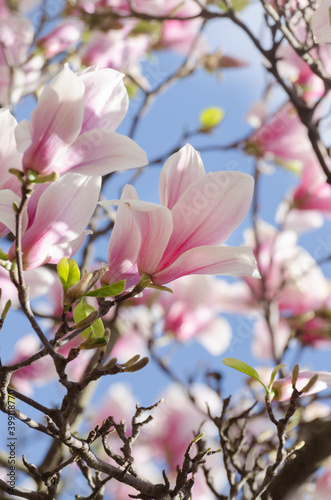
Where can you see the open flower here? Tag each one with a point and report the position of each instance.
(199, 211)
(283, 386)
(56, 217)
(72, 127)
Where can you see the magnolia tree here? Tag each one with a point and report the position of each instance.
(86, 330)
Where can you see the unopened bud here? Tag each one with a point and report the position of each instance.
(87, 321)
(295, 374)
(310, 384)
(137, 366)
(132, 361)
(83, 286)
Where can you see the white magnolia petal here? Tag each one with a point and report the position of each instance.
(178, 173)
(100, 151)
(230, 261)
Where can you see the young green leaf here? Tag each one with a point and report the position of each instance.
(273, 375)
(81, 311)
(236, 5)
(243, 367)
(94, 343)
(68, 272)
(3, 255)
(107, 290)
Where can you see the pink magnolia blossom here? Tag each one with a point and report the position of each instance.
(55, 219)
(191, 312)
(292, 283)
(9, 158)
(67, 34)
(40, 372)
(320, 23)
(313, 192)
(282, 139)
(299, 73)
(40, 282)
(16, 37)
(179, 418)
(72, 127)
(199, 211)
(180, 35)
(291, 276)
(283, 387)
(117, 49)
(304, 206)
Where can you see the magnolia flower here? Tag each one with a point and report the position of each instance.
(199, 211)
(53, 224)
(281, 139)
(39, 372)
(320, 23)
(304, 206)
(67, 34)
(40, 282)
(191, 312)
(283, 386)
(9, 158)
(16, 37)
(72, 127)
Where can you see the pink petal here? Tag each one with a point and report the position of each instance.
(68, 249)
(155, 225)
(100, 151)
(320, 23)
(284, 385)
(9, 157)
(23, 135)
(56, 121)
(208, 211)
(105, 97)
(231, 261)
(7, 214)
(63, 212)
(124, 244)
(178, 173)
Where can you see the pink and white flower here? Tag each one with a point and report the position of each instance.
(281, 139)
(55, 219)
(283, 387)
(72, 127)
(67, 34)
(199, 211)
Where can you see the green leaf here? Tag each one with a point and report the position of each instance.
(68, 272)
(3, 255)
(237, 5)
(107, 290)
(147, 27)
(243, 367)
(5, 309)
(162, 288)
(273, 375)
(94, 343)
(210, 118)
(81, 311)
